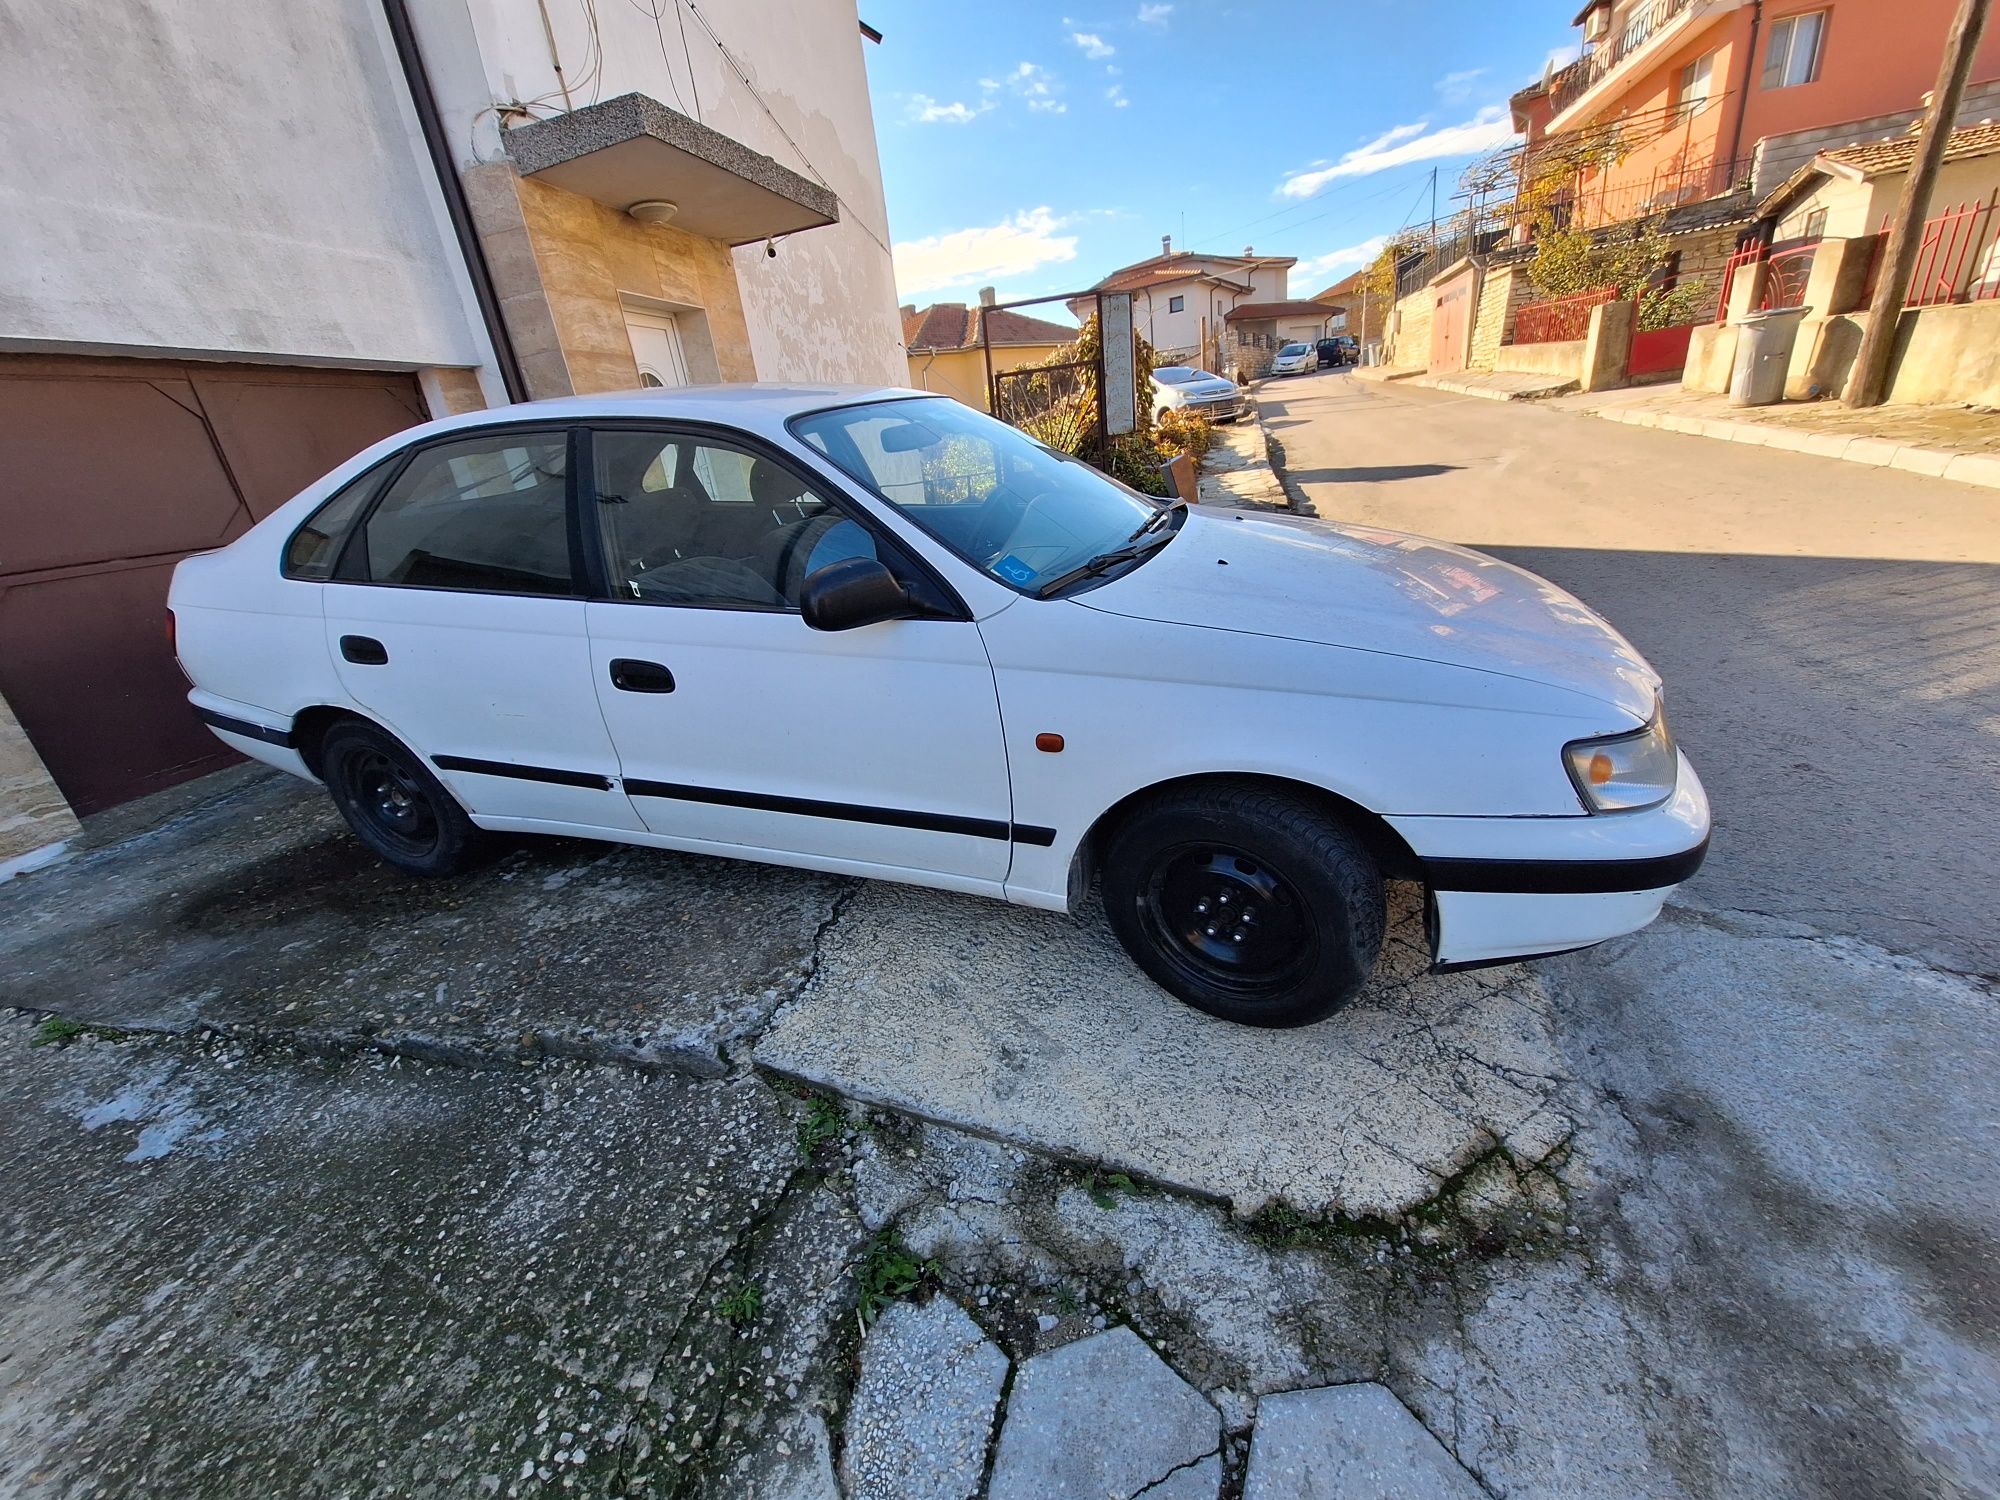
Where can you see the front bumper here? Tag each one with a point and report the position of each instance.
(1225, 409)
(1504, 888)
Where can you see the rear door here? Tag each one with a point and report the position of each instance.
(456, 618)
(738, 725)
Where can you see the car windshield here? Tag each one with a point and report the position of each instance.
(1177, 374)
(1017, 509)
(1293, 349)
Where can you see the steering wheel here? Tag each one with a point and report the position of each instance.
(999, 517)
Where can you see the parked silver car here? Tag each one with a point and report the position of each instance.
(1196, 390)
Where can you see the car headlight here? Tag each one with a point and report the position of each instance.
(1621, 772)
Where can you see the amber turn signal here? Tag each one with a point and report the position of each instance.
(1601, 768)
(1049, 742)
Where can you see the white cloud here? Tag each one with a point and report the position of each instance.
(1563, 56)
(1094, 46)
(1349, 257)
(1032, 83)
(1404, 144)
(1116, 94)
(927, 111)
(1456, 88)
(1011, 248)
(1154, 15)
(1048, 106)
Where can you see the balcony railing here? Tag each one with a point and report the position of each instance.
(1642, 24)
(1610, 196)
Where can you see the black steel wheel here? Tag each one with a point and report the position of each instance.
(393, 803)
(1252, 903)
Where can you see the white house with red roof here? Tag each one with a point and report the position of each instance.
(1182, 299)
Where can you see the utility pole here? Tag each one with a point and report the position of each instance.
(1434, 207)
(1870, 380)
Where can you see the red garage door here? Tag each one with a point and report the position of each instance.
(111, 471)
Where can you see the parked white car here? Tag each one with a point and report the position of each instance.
(874, 632)
(1295, 359)
(1184, 386)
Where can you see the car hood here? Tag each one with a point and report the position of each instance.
(1199, 387)
(1375, 590)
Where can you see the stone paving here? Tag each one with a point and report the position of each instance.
(1237, 469)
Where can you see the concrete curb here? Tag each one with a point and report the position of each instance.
(1981, 469)
(1495, 393)
(1387, 372)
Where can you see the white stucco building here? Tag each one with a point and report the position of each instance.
(1181, 300)
(245, 239)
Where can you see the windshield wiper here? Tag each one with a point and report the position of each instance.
(1158, 518)
(1136, 546)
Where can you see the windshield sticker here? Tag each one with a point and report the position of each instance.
(1015, 571)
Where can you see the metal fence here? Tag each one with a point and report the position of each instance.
(1610, 195)
(1787, 270)
(1560, 318)
(1957, 260)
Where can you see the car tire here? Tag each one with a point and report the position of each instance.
(393, 803)
(1253, 904)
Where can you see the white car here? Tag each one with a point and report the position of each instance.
(1295, 359)
(1178, 386)
(877, 633)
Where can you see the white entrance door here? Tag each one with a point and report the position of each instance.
(656, 345)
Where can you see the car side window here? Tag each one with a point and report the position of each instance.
(315, 546)
(489, 514)
(694, 521)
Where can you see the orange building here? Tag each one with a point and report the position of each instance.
(1698, 99)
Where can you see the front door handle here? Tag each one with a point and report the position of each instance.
(631, 676)
(364, 650)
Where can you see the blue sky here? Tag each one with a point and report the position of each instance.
(1034, 145)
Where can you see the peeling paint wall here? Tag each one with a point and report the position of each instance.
(824, 308)
(224, 178)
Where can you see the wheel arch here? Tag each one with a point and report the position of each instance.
(1391, 852)
(310, 726)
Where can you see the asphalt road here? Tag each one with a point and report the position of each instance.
(1829, 633)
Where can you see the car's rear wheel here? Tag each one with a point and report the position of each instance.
(393, 803)
(1253, 904)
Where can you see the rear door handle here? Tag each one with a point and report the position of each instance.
(632, 676)
(364, 650)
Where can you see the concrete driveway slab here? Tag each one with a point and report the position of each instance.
(231, 1274)
(258, 910)
(1105, 1419)
(1349, 1442)
(1040, 1031)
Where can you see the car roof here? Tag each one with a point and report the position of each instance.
(753, 404)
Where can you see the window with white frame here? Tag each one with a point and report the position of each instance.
(1792, 55)
(1695, 88)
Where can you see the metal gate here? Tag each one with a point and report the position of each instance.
(1451, 325)
(115, 470)
(1064, 402)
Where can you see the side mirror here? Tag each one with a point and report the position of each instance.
(853, 592)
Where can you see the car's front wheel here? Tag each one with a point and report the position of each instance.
(393, 803)
(1251, 903)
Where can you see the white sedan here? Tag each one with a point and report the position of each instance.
(1295, 359)
(874, 632)
(1183, 387)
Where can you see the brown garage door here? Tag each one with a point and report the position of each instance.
(111, 471)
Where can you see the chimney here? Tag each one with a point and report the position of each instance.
(986, 296)
(908, 309)
(1249, 250)
(1166, 244)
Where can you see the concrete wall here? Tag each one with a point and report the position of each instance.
(222, 178)
(1408, 343)
(1562, 357)
(34, 819)
(1943, 355)
(825, 307)
(1710, 357)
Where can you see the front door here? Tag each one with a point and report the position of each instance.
(739, 727)
(656, 345)
(458, 622)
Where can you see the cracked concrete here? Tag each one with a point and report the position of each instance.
(1040, 1031)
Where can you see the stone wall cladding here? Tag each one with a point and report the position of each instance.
(1411, 345)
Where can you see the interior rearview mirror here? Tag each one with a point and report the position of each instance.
(853, 592)
(907, 437)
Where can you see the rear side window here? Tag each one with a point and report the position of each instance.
(490, 514)
(315, 546)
